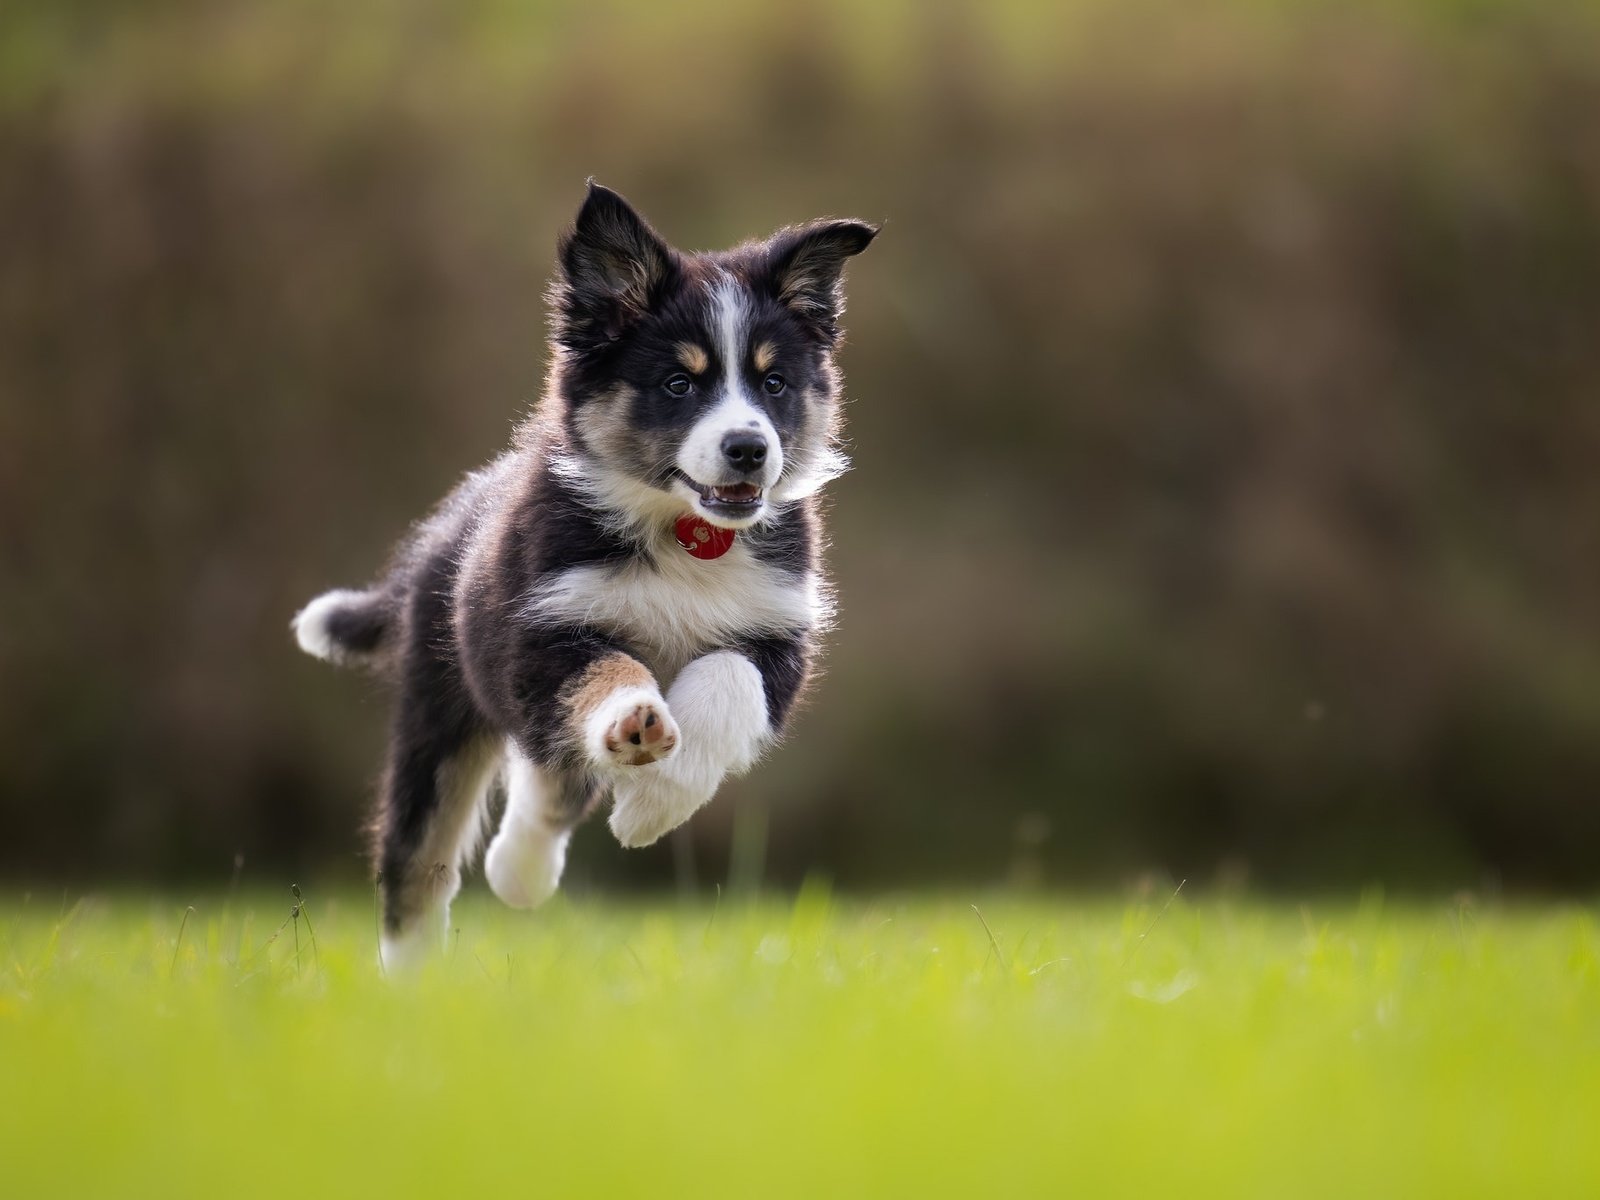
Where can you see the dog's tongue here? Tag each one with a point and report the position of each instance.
(736, 492)
(701, 538)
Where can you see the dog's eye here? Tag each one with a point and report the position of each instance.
(678, 385)
(774, 384)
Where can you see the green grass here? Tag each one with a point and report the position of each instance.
(818, 1046)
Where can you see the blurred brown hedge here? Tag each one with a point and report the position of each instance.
(1225, 412)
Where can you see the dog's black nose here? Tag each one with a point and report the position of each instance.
(744, 450)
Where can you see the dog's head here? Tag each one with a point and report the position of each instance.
(699, 383)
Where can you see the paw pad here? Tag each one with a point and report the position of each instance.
(641, 734)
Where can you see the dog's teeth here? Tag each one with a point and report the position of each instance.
(735, 493)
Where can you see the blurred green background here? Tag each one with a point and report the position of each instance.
(1224, 411)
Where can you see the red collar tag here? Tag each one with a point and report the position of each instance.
(701, 538)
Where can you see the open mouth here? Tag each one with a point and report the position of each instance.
(730, 498)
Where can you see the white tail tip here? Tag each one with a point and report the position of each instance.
(312, 624)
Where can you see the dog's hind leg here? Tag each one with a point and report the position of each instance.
(442, 763)
(430, 824)
(526, 858)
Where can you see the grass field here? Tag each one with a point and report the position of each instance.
(813, 1046)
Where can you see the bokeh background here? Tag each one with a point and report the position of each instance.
(1224, 410)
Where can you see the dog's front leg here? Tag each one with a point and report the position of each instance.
(588, 715)
(615, 717)
(727, 707)
(573, 702)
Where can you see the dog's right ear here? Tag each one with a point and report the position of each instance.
(613, 266)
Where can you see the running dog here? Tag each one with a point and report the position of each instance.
(626, 603)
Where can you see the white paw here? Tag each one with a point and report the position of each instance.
(651, 804)
(524, 865)
(404, 952)
(633, 729)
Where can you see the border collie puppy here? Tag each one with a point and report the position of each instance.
(627, 602)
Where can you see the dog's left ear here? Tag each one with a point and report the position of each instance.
(613, 265)
(806, 265)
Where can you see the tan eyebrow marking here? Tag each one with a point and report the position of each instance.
(765, 353)
(693, 357)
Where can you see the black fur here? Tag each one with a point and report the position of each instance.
(359, 630)
(785, 666)
(520, 669)
(434, 720)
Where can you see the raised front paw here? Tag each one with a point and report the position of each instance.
(648, 806)
(640, 732)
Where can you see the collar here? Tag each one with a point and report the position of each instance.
(701, 539)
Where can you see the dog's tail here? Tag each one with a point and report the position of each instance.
(348, 627)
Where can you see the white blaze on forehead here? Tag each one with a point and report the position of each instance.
(730, 317)
(701, 456)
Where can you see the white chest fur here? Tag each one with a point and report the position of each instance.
(680, 606)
